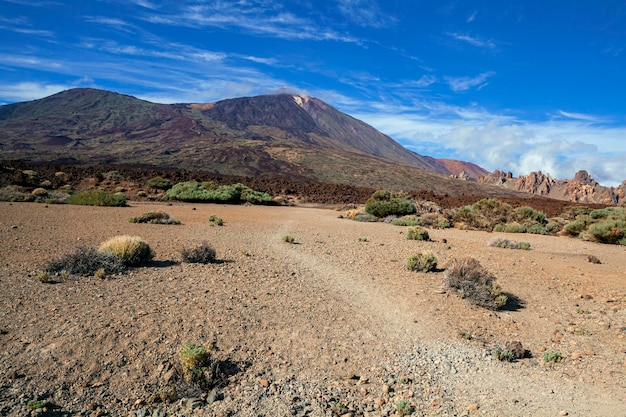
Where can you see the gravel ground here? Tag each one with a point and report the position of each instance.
(330, 325)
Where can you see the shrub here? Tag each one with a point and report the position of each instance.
(132, 250)
(608, 231)
(215, 220)
(404, 408)
(553, 228)
(503, 355)
(383, 203)
(43, 277)
(410, 220)
(573, 212)
(484, 214)
(576, 227)
(527, 215)
(209, 192)
(195, 361)
(552, 356)
(510, 228)
(417, 233)
(364, 217)
(159, 183)
(422, 262)
(154, 217)
(96, 198)
(40, 192)
(508, 244)
(289, 239)
(473, 282)
(201, 253)
(86, 261)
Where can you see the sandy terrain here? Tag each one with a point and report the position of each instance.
(334, 318)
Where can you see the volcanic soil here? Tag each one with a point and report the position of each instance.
(333, 324)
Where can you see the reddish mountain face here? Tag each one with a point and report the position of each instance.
(462, 169)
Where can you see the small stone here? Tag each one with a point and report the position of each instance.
(379, 402)
(576, 355)
(264, 383)
(563, 413)
(473, 407)
(386, 389)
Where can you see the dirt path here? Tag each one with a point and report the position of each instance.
(334, 318)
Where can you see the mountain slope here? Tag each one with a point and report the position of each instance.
(279, 136)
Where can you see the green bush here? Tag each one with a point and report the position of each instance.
(422, 262)
(510, 228)
(503, 355)
(159, 183)
(404, 408)
(209, 192)
(289, 239)
(195, 361)
(216, 220)
(97, 198)
(86, 261)
(417, 233)
(553, 228)
(509, 244)
(527, 215)
(202, 253)
(154, 217)
(473, 282)
(132, 250)
(552, 356)
(576, 227)
(383, 203)
(608, 231)
(484, 214)
(364, 217)
(409, 220)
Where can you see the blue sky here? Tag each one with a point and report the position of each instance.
(514, 85)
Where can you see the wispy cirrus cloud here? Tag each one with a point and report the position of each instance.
(465, 83)
(365, 13)
(255, 17)
(473, 40)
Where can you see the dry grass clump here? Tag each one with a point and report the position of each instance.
(132, 250)
(422, 262)
(473, 282)
(86, 261)
(201, 253)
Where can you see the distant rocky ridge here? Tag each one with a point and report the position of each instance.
(581, 189)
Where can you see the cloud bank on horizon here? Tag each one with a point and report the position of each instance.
(518, 87)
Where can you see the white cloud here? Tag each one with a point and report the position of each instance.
(465, 83)
(27, 91)
(365, 13)
(253, 17)
(499, 141)
(473, 40)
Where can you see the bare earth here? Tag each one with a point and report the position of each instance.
(302, 327)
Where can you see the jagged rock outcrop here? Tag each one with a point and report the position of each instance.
(581, 189)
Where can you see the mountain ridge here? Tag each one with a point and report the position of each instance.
(282, 136)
